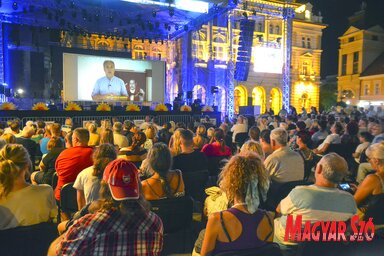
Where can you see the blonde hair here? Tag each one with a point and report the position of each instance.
(14, 159)
(210, 132)
(150, 132)
(253, 146)
(376, 151)
(199, 140)
(240, 170)
(9, 138)
(175, 146)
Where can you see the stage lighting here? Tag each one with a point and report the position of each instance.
(20, 91)
(15, 6)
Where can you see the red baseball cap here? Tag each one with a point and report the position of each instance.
(123, 179)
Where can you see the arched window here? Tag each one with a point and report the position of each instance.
(240, 97)
(276, 100)
(138, 52)
(258, 98)
(305, 68)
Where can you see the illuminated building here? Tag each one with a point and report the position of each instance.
(360, 76)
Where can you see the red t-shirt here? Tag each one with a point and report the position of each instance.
(70, 163)
(214, 149)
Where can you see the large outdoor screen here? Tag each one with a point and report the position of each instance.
(102, 78)
(267, 60)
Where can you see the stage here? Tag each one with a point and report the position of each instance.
(79, 117)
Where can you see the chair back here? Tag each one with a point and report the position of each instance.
(270, 249)
(175, 213)
(195, 183)
(375, 209)
(278, 191)
(240, 138)
(68, 198)
(55, 178)
(28, 240)
(215, 165)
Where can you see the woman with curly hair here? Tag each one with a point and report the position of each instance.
(243, 226)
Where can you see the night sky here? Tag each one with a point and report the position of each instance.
(335, 14)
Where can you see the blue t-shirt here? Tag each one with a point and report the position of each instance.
(115, 86)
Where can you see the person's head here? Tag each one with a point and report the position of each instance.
(120, 189)
(68, 121)
(132, 86)
(244, 172)
(210, 132)
(106, 136)
(323, 125)
(200, 131)
(224, 127)
(9, 138)
(376, 129)
(303, 139)
(102, 156)
(15, 126)
(128, 124)
(253, 146)
(80, 137)
(150, 132)
(117, 127)
(54, 142)
(240, 119)
(352, 128)
(337, 128)
(254, 133)
(27, 132)
(92, 128)
(363, 123)
(138, 141)
(301, 126)
(331, 170)
(265, 137)
(55, 129)
(365, 137)
(40, 124)
(279, 138)
(186, 138)
(375, 154)
(14, 164)
(68, 140)
(109, 68)
(106, 123)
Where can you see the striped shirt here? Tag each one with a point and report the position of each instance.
(315, 203)
(110, 233)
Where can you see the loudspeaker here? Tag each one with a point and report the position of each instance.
(214, 89)
(244, 52)
(189, 95)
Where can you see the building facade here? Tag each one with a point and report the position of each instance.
(358, 49)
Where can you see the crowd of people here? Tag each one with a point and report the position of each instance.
(117, 167)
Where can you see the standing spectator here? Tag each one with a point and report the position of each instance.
(22, 204)
(73, 160)
(239, 127)
(123, 223)
(283, 165)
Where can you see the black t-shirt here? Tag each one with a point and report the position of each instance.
(195, 161)
(50, 159)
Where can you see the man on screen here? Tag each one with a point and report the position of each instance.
(135, 93)
(109, 85)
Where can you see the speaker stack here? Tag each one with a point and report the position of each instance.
(244, 53)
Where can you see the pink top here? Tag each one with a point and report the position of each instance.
(214, 149)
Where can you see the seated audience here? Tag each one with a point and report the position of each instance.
(164, 135)
(243, 226)
(303, 141)
(253, 146)
(9, 138)
(22, 204)
(68, 140)
(378, 131)
(136, 152)
(333, 138)
(73, 160)
(373, 184)
(239, 127)
(200, 140)
(210, 132)
(47, 165)
(94, 137)
(164, 183)
(127, 126)
(322, 201)
(217, 146)
(87, 183)
(122, 223)
(106, 136)
(174, 142)
(254, 133)
(265, 142)
(321, 134)
(120, 140)
(150, 134)
(350, 134)
(365, 139)
(283, 165)
(190, 159)
(28, 143)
